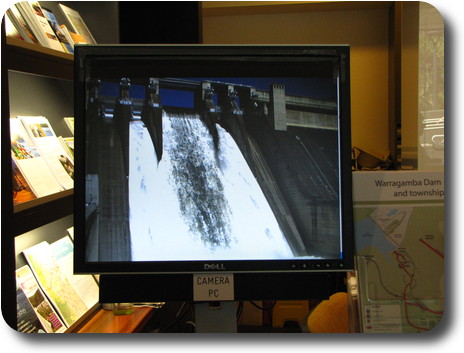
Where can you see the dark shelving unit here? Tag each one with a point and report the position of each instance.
(47, 218)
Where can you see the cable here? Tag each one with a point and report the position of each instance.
(187, 324)
(178, 316)
(263, 307)
(239, 311)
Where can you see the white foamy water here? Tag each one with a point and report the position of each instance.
(194, 205)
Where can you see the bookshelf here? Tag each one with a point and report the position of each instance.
(46, 61)
(39, 81)
(31, 59)
(45, 218)
(35, 81)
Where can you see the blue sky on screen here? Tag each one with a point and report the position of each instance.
(319, 88)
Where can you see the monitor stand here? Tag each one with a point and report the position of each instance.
(215, 317)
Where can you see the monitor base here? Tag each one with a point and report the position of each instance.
(215, 317)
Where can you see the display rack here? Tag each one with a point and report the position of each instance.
(43, 218)
(25, 217)
(42, 212)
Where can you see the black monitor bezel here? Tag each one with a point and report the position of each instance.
(221, 56)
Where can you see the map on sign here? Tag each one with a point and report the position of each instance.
(400, 252)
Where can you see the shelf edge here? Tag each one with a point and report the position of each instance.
(46, 210)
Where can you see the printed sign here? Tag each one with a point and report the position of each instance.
(213, 287)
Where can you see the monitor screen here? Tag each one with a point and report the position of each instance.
(212, 158)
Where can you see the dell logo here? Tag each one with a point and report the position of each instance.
(217, 267)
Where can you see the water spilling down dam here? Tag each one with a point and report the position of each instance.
(247, 175)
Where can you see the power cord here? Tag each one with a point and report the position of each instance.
(264, 308)
(179, 317)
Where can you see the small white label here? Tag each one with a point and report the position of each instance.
(213, 287)
(383, 318)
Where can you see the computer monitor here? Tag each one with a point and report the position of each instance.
(194, 159)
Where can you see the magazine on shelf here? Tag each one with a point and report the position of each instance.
(27, 319)
(22, 192)
(50, 16)
(84, 285)
(27, 14)
(34, 16)
(66, 33)
(70, 143)
(73, 38)
(11, 30)
(45, 312)
(55, 283)
(65, 144)
(78, 25)
(77, 38)
(41, 132)
(21, 25)
(69, 121)
(30, 162)
(70, 232)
